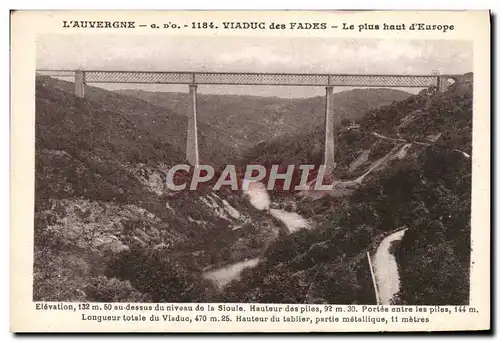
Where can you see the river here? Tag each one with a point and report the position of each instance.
(386, 268)
(260, 200)
(224, 275)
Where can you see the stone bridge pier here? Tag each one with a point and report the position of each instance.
(80, 83)
(192, 153)
(444, 81)
(192, 79)
(329, 148)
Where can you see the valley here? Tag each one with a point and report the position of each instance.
(107, 228)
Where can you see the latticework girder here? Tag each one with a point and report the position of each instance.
(157, 77)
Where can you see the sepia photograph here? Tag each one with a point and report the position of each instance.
(252, 170)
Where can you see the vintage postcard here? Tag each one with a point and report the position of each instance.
(250, 171)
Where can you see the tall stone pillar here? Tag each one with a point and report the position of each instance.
(80, 83)
(329, 154)
(442, 84)
(192, 129)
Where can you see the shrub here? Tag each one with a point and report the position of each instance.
(104, 289)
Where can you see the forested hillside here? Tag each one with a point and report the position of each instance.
(253, 119)
(102, 202)
(421, 148)
(107, 229)
(216, 145)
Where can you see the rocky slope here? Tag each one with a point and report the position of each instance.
(407, 165)
(101, 200)
(106, 228)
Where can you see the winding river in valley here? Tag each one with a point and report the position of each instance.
(259, 199)
(384, 262)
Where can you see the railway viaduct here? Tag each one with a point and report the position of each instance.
(193, 79)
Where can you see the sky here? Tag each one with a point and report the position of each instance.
(294, 55)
